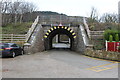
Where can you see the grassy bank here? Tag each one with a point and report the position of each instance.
(19, 28)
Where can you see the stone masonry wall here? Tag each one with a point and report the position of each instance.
(38, 45)
(80, 46)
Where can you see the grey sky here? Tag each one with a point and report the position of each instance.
(77, 7)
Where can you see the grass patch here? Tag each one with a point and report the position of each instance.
(19, 28)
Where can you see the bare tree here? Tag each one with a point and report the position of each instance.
(4, 10)
(5, 6)
(93, 16)
(15, 9)
(26, 7)
(109, 18)
(1, 15)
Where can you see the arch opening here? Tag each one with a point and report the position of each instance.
(64, 38)
(61, 41)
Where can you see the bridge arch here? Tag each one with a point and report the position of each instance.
(52, 32)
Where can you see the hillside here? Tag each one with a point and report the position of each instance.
(46, 17)
(20, 28)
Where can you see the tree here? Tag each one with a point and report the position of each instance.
(4, 6)
(13, 11)
(93, 16)
(16, 8)
(109, 18)
(26, 7)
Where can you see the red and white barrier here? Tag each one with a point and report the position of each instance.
(112, 46)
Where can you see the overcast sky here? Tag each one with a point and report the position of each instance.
(77, 7)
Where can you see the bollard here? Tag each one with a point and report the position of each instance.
(26, 48)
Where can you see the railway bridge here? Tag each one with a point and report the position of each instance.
(41, 37)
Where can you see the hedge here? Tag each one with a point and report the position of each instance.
(107, 34)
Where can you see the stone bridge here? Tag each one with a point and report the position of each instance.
(41, 37)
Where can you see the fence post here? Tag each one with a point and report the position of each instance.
(114, 46)
(11, 38)
(106, 44)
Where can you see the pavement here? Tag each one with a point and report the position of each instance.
(58, 63)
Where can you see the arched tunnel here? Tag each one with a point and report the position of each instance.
(59, 30)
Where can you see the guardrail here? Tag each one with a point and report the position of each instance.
(12, 38)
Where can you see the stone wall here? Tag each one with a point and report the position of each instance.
(80, 46)
(77, 44)
(38, 44)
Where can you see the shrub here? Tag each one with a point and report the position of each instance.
(110, 38)
(89, 52)
(98, 54)
(98, 47)
(107, 33)
(117, 38)
(102, 54)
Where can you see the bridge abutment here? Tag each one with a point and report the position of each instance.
(36, 43)
(80, 46)
(41, 37)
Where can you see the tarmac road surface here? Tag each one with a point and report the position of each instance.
(58, 63)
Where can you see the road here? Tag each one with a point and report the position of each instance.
(61, 45)
(58, 64)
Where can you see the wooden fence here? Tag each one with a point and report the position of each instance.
(12, 38)
(96, 33)
(22, 37)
